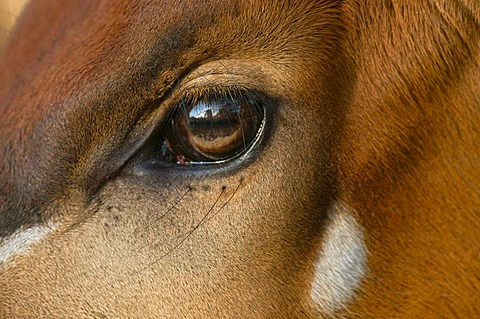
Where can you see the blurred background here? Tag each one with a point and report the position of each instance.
(9, 11)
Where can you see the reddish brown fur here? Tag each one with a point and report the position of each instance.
(413, 157)
(377, 107)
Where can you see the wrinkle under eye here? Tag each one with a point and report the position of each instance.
(212, 127)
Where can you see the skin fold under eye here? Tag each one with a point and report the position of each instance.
(212, 127)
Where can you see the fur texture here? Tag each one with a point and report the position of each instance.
(373, 106)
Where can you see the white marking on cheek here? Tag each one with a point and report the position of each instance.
(20, 241)
(341, 264)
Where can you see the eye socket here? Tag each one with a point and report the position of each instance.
(212, 128)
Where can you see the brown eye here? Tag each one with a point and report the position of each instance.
(213, 128)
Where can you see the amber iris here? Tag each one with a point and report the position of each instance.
(213, 129)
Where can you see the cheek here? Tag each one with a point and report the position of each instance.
(341, 264)
(21, 240)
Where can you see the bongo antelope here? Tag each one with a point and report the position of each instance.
(241, 159)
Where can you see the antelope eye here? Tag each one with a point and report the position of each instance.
(212, 129)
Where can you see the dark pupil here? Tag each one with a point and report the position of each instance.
(213, 129)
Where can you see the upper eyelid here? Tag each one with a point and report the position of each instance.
(207, 77)
(226, 73)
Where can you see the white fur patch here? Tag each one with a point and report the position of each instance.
(20, 241)
(341, 264)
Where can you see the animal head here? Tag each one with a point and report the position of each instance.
(240, 159)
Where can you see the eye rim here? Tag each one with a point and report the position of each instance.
(220, 95)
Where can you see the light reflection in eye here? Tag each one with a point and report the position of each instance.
(203, 110)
